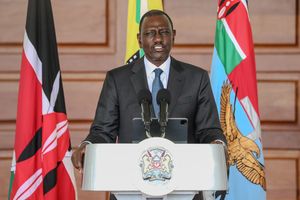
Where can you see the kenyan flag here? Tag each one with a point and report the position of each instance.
(41, 167)
(233, 78)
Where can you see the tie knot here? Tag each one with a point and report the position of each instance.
(158, 72)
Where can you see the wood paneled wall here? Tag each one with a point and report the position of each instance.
(91, 36)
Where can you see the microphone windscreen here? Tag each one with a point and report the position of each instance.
(143, 95)
(163, 95)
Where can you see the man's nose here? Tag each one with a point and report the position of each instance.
(157, 37)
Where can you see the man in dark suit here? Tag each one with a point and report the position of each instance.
(191, 95)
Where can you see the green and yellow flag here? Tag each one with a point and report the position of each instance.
(136, 9)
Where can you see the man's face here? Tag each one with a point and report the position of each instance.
(156, 38)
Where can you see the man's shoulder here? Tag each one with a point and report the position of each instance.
(189, 67)
(128, 68)
(120, 69)
(123, 70)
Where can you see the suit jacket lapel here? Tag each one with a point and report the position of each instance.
(138, 78)
(175, 82)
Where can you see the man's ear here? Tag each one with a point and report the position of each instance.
(174, 34)
(138, 36)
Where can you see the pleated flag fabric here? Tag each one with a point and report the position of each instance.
(233, 78)
(41, 167)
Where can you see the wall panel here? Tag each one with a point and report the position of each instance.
(278, 101)
(275, 23)
(74, 26)
(12, 15)
(193, 21)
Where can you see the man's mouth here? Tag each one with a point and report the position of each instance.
(158, 48)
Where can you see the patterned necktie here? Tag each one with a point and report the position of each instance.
(156, 86)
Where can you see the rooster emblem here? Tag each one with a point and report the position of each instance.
(242, 151)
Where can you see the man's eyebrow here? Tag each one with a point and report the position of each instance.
(165, 27)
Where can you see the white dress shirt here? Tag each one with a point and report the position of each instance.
(165, 67)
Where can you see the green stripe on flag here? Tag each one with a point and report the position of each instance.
(226, 49)
(142, 52)
(12, 176)
(138, 11)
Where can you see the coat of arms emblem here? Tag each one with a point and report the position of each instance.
(156, 164)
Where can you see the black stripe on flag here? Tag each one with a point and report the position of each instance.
(232, 9)
(50, 179)
(41, 33)
(32, 147)
(221, 2)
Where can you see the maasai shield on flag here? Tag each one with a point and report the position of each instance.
(233, 77)
(136, 9)
(42, 167)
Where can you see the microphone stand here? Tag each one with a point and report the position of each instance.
(163, 99)
(146, 117)
(147, 129)
(163, 123)
(144, 98)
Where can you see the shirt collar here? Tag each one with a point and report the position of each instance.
(165, 67)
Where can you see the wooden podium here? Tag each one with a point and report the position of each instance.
(155, 168)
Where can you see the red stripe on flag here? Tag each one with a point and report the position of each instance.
(62, 144)
(24, 170)
(29, 120)
(239, 24)
(64, 188)
(244, 75)
(29, 116)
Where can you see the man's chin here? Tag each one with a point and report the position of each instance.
(160, 57)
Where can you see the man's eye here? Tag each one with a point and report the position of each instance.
(149, 33)
(164, 32)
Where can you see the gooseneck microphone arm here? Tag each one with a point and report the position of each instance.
(145, 101)
(163, 100)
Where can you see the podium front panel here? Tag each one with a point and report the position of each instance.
(155, 166)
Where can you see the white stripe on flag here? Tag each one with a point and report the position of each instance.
(31, 189)
(13, 163)
(48, 107)
(246, 6)
(54, 92)
(253, 116)
(46, 103)
(51, 141)
(32, 57)
(70, 169)
(144, 7)
(236, 44)
(30, 185)
(62, 127)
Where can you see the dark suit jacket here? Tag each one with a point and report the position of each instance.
(191, 97)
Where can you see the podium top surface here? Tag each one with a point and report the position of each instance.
(155, 167)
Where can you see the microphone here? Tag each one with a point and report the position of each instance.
(163, 100)
(145, 100)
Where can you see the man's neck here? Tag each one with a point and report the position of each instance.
(157, 64)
